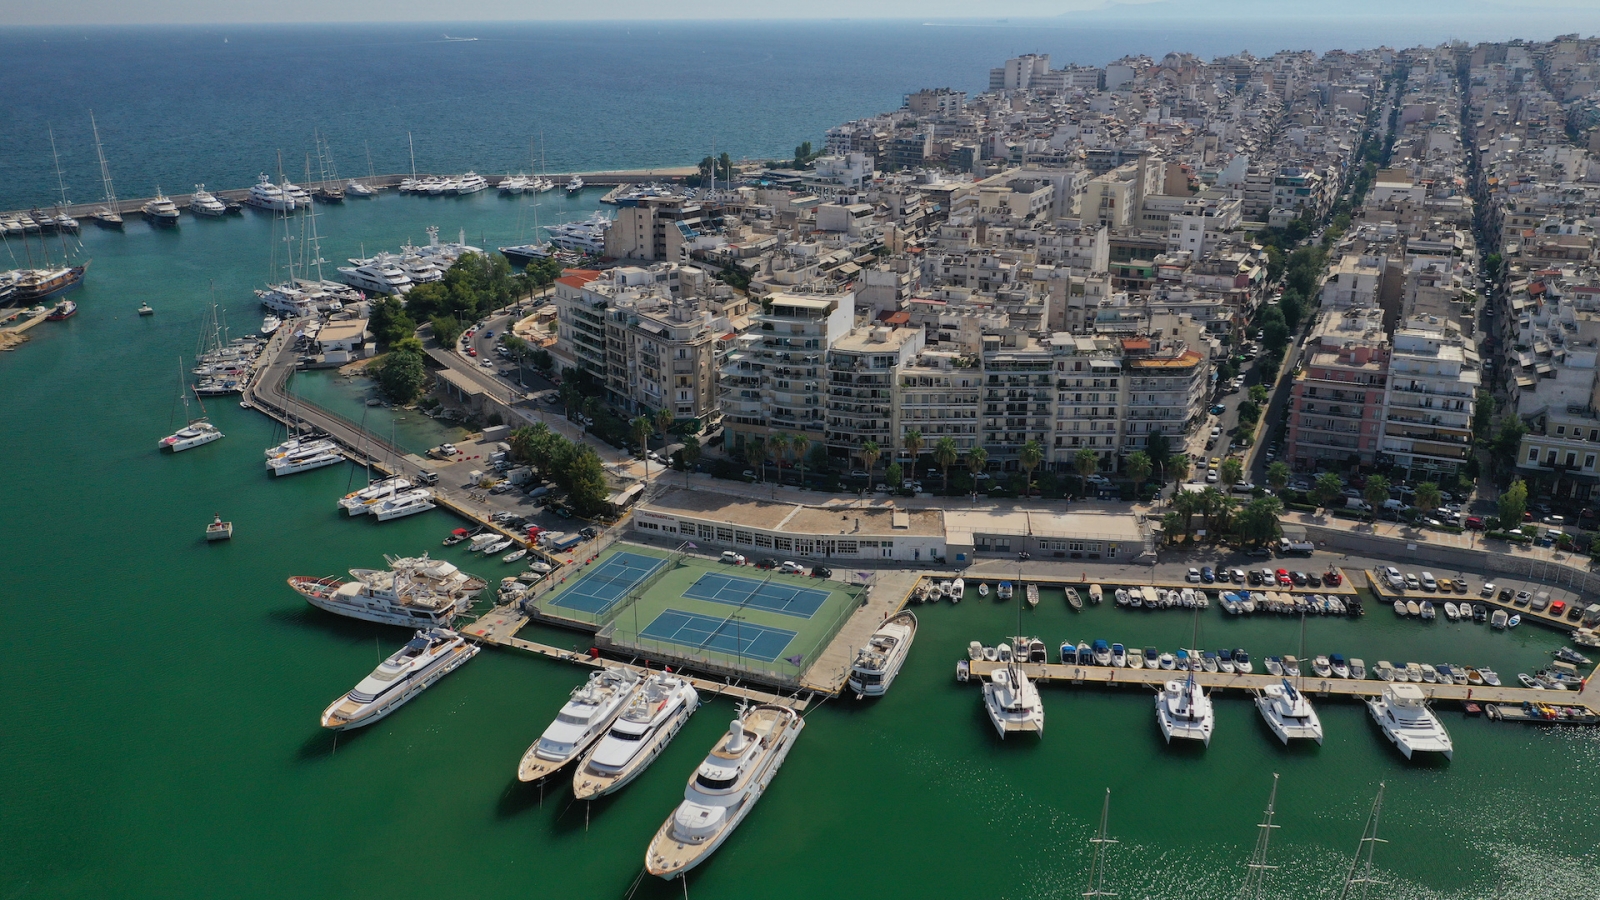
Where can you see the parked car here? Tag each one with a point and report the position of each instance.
(1332, 578)
(1475, 523)
(1254, 578)
(728, 556)
(1412, 584)
(790, 567)
(1429, 584)
(767, 563)
(1208, 575)
(1313, 579)
(1194, 576)
(821, 572)
(1487, 590)
(1522, 598)
(1283, 578)
(1238, 576)
(1299, 578)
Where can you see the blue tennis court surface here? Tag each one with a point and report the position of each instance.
(603, 586)
(772, 596)
(761, 642)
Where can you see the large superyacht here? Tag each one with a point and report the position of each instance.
(724, 788)
(429, 656)
(649, 722)
(582, 720)
(412, 591)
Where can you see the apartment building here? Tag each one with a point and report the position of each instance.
(939, 396)
(864, 393)
(775, 377)
(1432, 393)
(1090, 395)
(1336, 404)
(1167, 383)
(655, 228)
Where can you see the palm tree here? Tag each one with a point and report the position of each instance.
(1258, 522)
(869, 455)
(691, 455)
(756, 453)
(1428, 496)
(914, 443)
(663, 421)
(1179, 467)
(1232, 472)
(1186, 504)
(977, 461)
(1087, 462)
(641, 435)
(1029, 458)
(1278, 476)
(779, 448)
(945, 453)
(1138, 467)
(801, 444)
(1376, 492)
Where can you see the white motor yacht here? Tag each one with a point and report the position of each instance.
(879, 662)
(359, 503)
(440, 186)
(470, 183)
(405, 504)
(1288, 713)
(270, 325)
(724, 789)
(1403, 714)
(202, 203)
(412, 591)
(266, 195)
(588, 236)
(313, 455)
(575, 185)
(582, 720)
(160, 209)
(354, 188)
(197, 432)
(296, 193)
(647, 724)
(1013, 702)
(379, 274)
(1184, 711)
(426, 658)
(513, 184)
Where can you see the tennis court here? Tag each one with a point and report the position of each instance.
(603, 586)
(698, 632)
(773, 596)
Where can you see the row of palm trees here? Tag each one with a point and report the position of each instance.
(1255, 522)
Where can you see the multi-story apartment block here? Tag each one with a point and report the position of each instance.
(1336, 404)
(1167, 383)
(1018, 389)
(939, 396)
(655, 228)
(864, 390)
(1090, 389)
(1432, 393)
(776, 378)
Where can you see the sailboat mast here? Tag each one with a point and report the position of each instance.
(315, 246)
(1255, 881)
(413, 145)
(1097, 862)
(1361, 866)
(105, 171)
(60, 182)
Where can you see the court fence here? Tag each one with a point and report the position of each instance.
(782, 672)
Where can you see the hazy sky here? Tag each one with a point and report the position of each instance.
(123, 12)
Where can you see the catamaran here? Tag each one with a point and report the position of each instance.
(647, 724)
(1403, 714)
(724, 789)
(1288, 713)
(429, 656)
(198, 431)
(404, 504)
(362, 502)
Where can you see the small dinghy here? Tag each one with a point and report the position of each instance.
(1450, 611)
(1122, 597)
(958, 589)
(1274, 666)
(1096, 594)
(513, 556)
(1003, 592)
(983, 589)
(974, 651)
(1033, 596)
(1400, 607)
(1073, 600)
(1527, 680)
(991, 654)
(1413, 608)
(1514, 621)
(1499, 619)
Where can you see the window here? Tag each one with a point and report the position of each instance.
(708, 533)
(764, 541)
(685, 527)
(742, 537)
(1533, 454)
(1588, 461)
(1572, 459)
(725, 535)
(783, 543)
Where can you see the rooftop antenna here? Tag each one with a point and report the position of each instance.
(1361, 866)
(1097, 863)
(1255, 881)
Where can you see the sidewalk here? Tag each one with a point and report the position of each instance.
(1506, 555)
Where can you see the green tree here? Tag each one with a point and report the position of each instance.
(542, 360)
(401, 374)
(446, 330)
(584, 478)
(1232, 472)
(690, 454)
(1278, 476)
(945, 453)
(389, 322)
(1275, 335)
(1513, 504)
(1159, 449)
(1258, 522)
(1249, 414)
(1507, 442)
(914, 443)
(1428, 496)
(1328, 488)
(1376, 491)
(663, 422)
(778, 448)
(894, 474)
(1180, 468)
(869, 455)
(800, 443)
(977, 461)
(1258, 394)
(1483, 417)
(1186, 504)
(1029, 458)
(1086, 462)
(1138, 468)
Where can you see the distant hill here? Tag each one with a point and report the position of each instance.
(1583, 13)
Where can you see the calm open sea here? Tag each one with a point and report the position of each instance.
(161, 696)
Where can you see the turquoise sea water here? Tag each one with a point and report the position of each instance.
(162, 695)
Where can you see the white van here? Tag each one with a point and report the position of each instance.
(1428, 584)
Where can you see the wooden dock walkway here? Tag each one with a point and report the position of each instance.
(500, 625)
(1110, 676)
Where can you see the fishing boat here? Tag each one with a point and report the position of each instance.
(64, 310)
(1003, 592)
(1288, 713)
(1033, 595)
(1096, 594)
(429, 656)
(1499, 619)
(724, 788)
(1402, 712)
(583, 719)
(219, 530)
(877, 664)
(1013, 702)
(958, 588)
(646, 726)
(1073, 600)
(983, 589)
